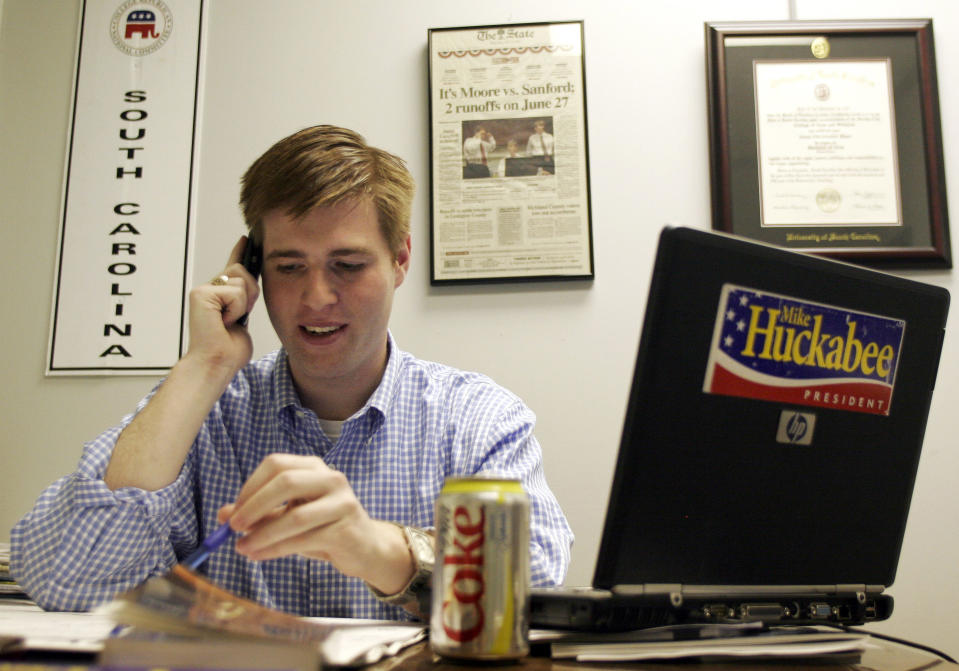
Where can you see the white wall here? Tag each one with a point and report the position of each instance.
(566, 348)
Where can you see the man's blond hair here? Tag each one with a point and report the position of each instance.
(322, 166)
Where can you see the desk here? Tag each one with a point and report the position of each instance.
(887, 657)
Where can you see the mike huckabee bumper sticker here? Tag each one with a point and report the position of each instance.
(783, 349)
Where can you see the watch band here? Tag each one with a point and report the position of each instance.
(416, 592)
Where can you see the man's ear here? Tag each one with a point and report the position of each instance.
(403, 261)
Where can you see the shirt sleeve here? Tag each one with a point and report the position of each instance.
(511, 450)
(83, 543)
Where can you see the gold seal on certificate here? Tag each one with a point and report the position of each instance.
(820, 47)
(828, 199)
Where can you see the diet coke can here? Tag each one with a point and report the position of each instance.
(480, 608)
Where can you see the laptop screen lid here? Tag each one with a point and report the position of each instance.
(775, 420)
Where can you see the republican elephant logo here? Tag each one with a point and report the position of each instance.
(143, 23)
(140, 27)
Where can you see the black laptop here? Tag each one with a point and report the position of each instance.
(770, 445)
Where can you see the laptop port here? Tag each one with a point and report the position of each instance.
(761, 611)
(870, 610)
(819, 611)
(718, 611)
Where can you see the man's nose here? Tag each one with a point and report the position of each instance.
(320, 290)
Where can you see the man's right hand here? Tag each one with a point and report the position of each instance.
(216, 339)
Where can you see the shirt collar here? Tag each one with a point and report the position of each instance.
(286, 396)
(383, 395)
(285, 392)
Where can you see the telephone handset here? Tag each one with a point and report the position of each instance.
(252, 260)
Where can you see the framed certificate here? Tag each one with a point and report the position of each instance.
(825, 137)
(509, 175)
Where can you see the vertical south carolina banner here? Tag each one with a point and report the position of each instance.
(121, 276)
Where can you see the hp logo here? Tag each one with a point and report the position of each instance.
(795, 428)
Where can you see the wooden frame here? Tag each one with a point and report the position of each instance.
(784, 170)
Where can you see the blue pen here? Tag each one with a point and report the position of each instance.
(209, 544)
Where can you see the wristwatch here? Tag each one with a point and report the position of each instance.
(417, 591)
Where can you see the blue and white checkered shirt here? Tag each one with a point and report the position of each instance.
(83, 543)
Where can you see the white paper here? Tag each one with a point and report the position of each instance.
(361, 642)
(827, 144)
(780, 651)
(65, 632)
(798, 644)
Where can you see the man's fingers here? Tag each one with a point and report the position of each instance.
(237, 276)
(282, 478)
(303, 528)
(266, 470)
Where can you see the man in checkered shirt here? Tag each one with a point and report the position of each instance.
(325, 455)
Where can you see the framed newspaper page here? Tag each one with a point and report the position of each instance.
(509, 175)
(825, 137)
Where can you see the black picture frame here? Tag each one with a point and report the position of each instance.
(920, 238)
(522, 213)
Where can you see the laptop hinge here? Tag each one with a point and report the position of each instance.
(868, 590)
(651, 589)
(851, 589)
(666, 589)
(672, 591)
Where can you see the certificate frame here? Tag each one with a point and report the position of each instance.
(504, 208)
(911, 229)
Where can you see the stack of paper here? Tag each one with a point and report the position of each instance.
(7, 586)
(24, 627)
(749, 640)
(181, 618)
